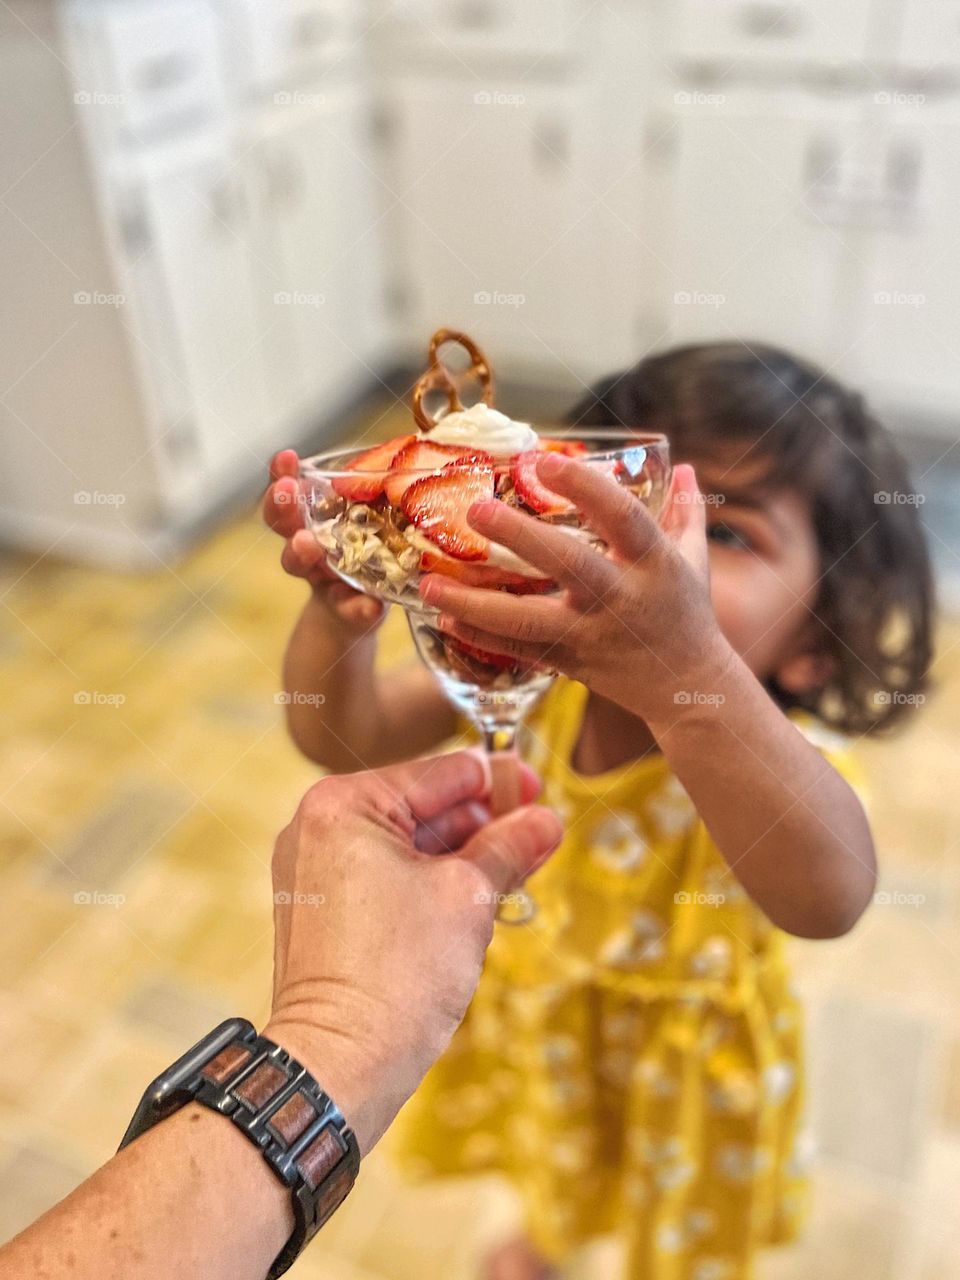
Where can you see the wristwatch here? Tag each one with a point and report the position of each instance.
(278, 1105)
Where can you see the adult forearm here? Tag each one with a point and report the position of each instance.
(789, 826)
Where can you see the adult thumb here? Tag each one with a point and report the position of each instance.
(510, 848)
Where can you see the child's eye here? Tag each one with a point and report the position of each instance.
(729, 535)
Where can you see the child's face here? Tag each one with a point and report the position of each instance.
(764, 566)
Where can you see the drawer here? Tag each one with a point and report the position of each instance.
(535, 29)
(282, 43)
(160, 60)
(739, 34)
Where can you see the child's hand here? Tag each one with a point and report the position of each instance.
(636, 625)
(303, 557)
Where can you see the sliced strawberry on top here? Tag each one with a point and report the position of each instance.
(572, 448)
(531, 489)
(438, 506)
(377, 462)
(489, 576)
(422, 455)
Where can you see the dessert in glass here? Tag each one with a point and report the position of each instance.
(388, 514)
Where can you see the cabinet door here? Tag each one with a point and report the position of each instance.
(761, 238)
(930, 36)
(909, 334)
(195, 229)
(498, 230)
(318, 250)
(739, 33)
(458, 29)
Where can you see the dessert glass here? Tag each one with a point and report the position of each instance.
(374, 548)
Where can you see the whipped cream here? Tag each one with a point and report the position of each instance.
(481, 427)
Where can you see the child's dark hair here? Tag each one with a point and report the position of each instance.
(875, 599)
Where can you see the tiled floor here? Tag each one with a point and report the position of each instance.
(144, 777)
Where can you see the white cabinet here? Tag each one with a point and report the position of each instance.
(737, 34)
(317, 253)
(469, 32)
(185, 235)
(498, 217)
(281, 44)
(908, 335)
(930, 37)
(762, 236)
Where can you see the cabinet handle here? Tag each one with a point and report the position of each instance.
(134, 228)
(551, 145)
(162, 72)
(770, 21)
(475, 15)
(312, 30)
(227, 209)
(285, 180)
(902, 178)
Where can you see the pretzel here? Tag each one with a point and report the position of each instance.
(439, 378)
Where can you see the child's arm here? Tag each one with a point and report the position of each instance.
(340, 712)
(638, 628)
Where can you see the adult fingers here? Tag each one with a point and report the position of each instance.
(510, 848)
(528, 654)
(448, 831)
(438, 784)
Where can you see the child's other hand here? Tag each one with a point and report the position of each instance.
(302, 556)
(636, 625)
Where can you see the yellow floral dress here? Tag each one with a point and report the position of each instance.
(632, 1059)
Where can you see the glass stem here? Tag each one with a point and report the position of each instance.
(499, 737)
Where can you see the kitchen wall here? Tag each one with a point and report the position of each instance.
(225, 220)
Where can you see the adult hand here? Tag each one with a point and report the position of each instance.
(381, 930)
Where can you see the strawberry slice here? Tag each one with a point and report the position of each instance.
(485, 575)
(423, 455)
(377, 461)
(531, 489)
(572, 448)
(499, 660)
(438, 506)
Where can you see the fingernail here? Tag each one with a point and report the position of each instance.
(430, 589)
(445, 622)
(551, 464)
(482, 511)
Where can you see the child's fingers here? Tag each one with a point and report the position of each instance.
(520, 617)
(686, 517)
(281, 507)
(556, 553)
(284, 463)
(610, 509)
(354, 607)
(302, 557)
(526, 653)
